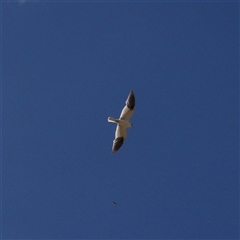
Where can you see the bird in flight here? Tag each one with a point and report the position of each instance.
(123, 122)
(114, 203)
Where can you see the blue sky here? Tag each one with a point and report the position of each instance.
(67, 67)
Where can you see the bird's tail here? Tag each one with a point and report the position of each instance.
(110, 119)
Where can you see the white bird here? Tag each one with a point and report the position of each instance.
(123, 122)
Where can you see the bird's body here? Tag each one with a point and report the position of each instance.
(123, 122)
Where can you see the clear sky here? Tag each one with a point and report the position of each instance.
(67, 67)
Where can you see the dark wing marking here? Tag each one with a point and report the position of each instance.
(130, 102)
(128, 110)
(117, 143)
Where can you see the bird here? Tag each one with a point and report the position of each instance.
(123, 122)
(114, 203)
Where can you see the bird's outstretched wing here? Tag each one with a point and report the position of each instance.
(128, 110)
(120, 135)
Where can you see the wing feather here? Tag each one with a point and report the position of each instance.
(130, 102)
(120, 135)
(128, 110)
(120, 132)
(117, 143)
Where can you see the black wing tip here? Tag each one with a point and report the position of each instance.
(117, 143)
(131, 100)
(131, 93)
